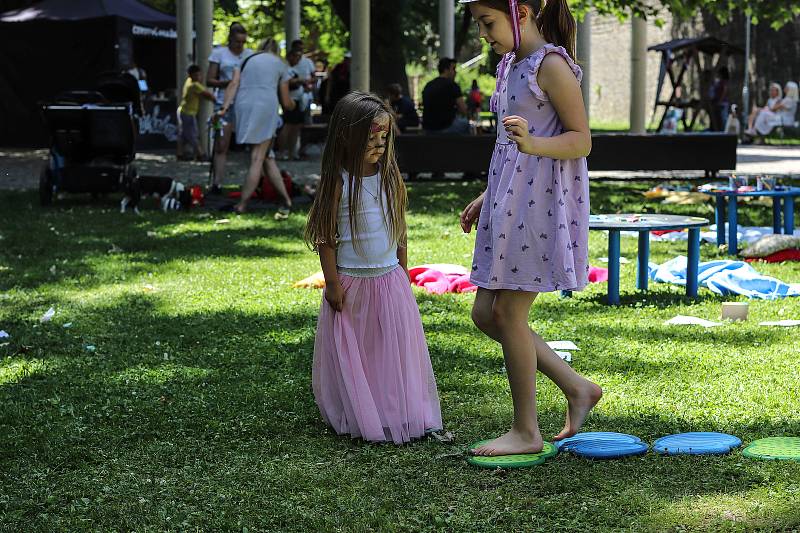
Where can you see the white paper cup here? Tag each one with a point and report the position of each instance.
(735, 310)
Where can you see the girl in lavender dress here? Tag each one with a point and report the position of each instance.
(533, 219)
(372, 375)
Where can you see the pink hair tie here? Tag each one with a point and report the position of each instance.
(514, 8)
(507, 58)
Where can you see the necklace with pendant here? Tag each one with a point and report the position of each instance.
(374, 196)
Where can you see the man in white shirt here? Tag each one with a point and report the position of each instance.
(301, 70)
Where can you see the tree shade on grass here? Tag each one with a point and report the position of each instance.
(180, 397)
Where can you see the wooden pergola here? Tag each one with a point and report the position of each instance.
(678, 57)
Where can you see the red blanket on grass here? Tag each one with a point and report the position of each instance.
(777, 257)
(440, 279)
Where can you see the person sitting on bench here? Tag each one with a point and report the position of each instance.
(405, 111)
(775, 96)
(442, 100)
(781, 113)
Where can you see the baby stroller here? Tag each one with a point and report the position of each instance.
(92, 136)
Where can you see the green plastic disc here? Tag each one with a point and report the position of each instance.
(511, 461)
(787, 448)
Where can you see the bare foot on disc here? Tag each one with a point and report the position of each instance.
(512, 443)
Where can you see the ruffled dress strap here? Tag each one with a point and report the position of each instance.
(535, 62)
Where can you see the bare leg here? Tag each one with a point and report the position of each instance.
(582, 395)
(510, 315)
(274, 175)
(283, 142)
(179, 143)
(221, 153)
(257, 154)
(303, 147)
(752, 119)
(197, 150)
(292, 138)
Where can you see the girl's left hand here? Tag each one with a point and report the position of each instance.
(517, 130)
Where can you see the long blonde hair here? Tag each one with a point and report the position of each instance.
(777, 86)
(791, 91)
(348, 136)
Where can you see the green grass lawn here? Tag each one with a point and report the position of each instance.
(783, 141)
(180, 396)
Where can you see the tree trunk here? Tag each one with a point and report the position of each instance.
(387, 57)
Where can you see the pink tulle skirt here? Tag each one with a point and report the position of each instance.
(372, 374)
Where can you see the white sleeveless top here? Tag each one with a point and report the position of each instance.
(377, 248)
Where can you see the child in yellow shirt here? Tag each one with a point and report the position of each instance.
(188, 135)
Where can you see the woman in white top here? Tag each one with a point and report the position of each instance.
(778, 111)
(775, 96)
(256, 86)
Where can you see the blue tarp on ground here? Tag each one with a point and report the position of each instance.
(726, 277)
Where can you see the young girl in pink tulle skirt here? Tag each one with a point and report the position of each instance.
(372, 375)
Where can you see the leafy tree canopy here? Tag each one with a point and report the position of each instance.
(776, 13)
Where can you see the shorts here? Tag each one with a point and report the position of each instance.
(229, 117)
(188, 129)
(295, 116)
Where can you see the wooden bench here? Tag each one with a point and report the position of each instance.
(784, 130)
(710, 152)
(313, 134)
(418, 153)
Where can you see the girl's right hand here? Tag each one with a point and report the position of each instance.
(334, 293)
(469, 216)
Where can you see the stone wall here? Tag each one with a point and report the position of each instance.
(610, 71)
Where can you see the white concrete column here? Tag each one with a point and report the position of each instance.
(203, 43)
(584, 53)
(359, 45)
(638, 75)
(183, 46)
(447, 28)
(291, 21)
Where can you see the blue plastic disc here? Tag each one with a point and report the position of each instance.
(697, 443)
(603, 445)
(597, 436)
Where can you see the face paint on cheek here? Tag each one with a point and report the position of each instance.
(377, 128)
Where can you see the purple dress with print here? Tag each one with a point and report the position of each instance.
(533, 227)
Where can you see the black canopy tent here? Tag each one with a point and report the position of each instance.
(678, 57)
(57, 45)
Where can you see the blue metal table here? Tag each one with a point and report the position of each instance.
(728, 199)
(644, 224)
